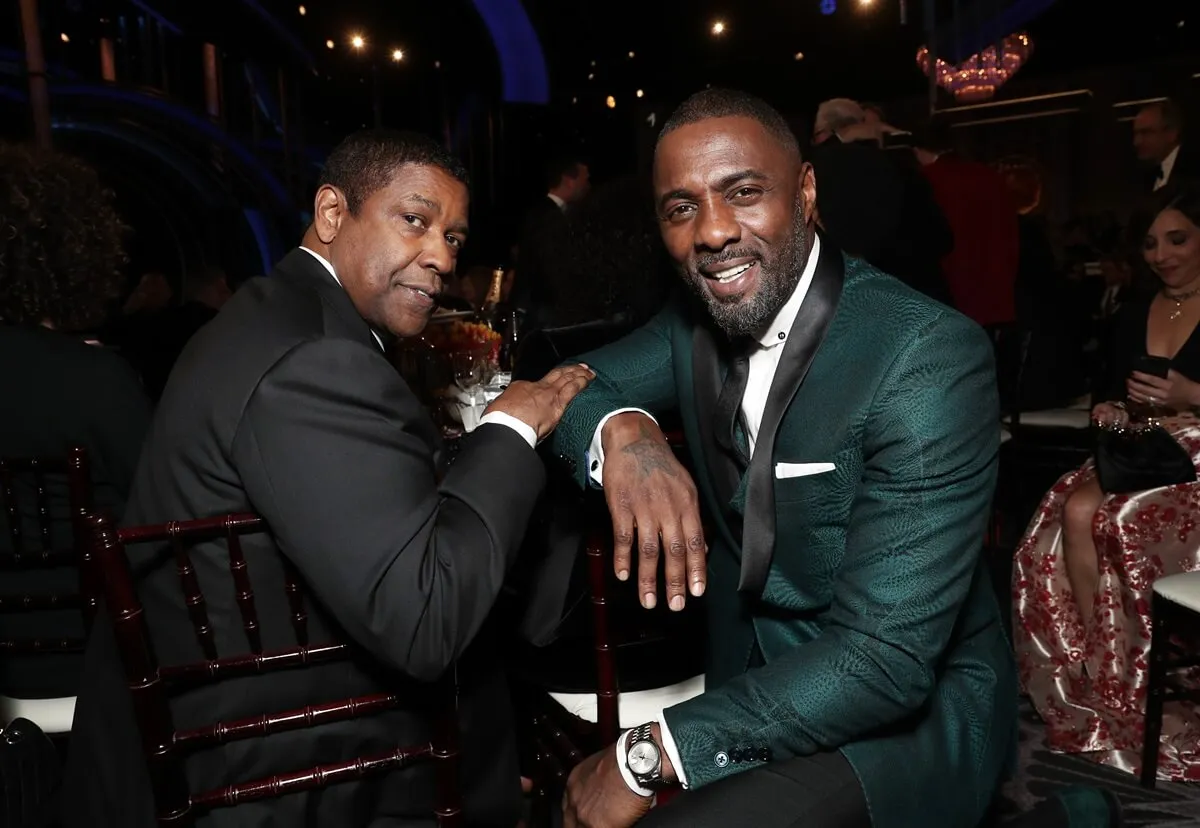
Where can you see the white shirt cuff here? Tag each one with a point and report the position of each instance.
(672, 751)
(626, 773)
(527, 432)
(595, 457)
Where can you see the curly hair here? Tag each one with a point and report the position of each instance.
(61, 248)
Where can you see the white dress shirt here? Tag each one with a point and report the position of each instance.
(763, 363)
(528, 433)
(562, 205)
(1165, 168)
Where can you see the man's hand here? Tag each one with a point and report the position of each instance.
(649, 490)
(541, 404)
(597, 796)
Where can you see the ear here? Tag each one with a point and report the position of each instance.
(808, 189)
(329, 211)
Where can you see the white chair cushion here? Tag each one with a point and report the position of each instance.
(1182, 589)
(51, 715)
(1055, 418)
(633, 708)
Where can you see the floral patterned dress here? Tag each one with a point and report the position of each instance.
(1090, 688)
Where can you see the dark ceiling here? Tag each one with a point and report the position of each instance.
(861, 50)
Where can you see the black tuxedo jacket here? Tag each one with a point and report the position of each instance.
(541, 245)
(285, 405)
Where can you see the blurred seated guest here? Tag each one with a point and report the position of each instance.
(60, 266)
(1083, 573)
(981, 267)
(613, 265)
(286, 405)
(1158, 143)
(873, 206)
(154, 345)
(543, 228)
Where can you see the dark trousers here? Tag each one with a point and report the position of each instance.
(810, 792)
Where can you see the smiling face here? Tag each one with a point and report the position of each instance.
(394, 253)
(735, 208)
(1172, 249)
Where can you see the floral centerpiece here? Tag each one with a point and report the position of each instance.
(458, 336)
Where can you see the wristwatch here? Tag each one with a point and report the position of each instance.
(644, 758)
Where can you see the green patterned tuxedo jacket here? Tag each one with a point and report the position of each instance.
(877, 630)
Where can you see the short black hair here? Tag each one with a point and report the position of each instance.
(560, 165)
(365, 162)
(731, 103)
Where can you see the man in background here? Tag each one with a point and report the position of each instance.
(542, 232)
(1158, 142)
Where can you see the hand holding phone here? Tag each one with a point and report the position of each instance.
(1155, 366)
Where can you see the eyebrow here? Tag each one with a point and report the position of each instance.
(424, 201)
(723, 184)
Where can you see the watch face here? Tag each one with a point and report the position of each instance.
(643, 758)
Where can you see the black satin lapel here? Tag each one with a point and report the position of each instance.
(300, 266)
(706, 383)
(804, 340)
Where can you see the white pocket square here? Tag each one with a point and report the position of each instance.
(786, 470)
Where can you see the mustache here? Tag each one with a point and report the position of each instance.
(711, 259)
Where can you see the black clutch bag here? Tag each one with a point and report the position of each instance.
(1140, 457)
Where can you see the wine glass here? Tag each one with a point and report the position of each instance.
(468, 372)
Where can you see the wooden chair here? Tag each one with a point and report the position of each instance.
(567, 727)
(33, 552)
(1175, 611)
(165, 747)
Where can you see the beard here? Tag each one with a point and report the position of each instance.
(778, 275)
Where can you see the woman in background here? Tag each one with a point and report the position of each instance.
(60, 268)
(1083, 574)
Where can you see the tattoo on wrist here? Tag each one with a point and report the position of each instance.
(651, 453)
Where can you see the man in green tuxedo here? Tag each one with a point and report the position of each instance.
(843, 432)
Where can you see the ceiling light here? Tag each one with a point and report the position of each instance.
(358, 41)
(610, 102)
(303, 11)
(591, 76)
(640, 93)
(799, 55)
(718, 28)
(328, 44)
(631, 54)
(437, 64)
(65, 37)
(397, 55)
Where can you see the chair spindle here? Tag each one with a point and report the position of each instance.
(245, 593)
(193, 596)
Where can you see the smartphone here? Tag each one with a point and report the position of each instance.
(1155, 366)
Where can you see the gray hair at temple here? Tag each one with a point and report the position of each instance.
(836, 114)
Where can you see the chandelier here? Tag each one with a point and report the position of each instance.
(978, 77)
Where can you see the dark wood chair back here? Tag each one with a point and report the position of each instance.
(38, 550)
(561, 741)
(150, 685)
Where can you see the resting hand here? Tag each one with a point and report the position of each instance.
(597, 796)
(541, 404)
(647, 489)
(1108, 414)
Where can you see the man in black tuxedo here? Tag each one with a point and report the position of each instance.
(285, 405)
(1158, 142)
(541, 240)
